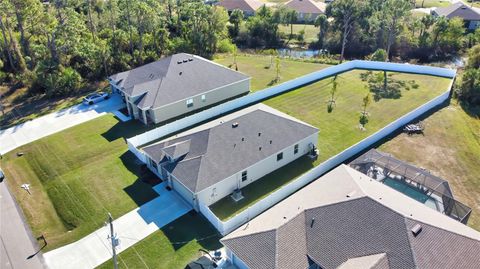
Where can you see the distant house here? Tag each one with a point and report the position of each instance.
(249, 7)
(210, 162)
(345, 219)
(308, 10)
(177, 85)
(470, 15)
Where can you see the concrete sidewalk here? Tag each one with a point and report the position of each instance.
(17, 247)
(32, 130)
(95, 248)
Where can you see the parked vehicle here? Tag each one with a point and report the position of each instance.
(94, 98)
(2, 175)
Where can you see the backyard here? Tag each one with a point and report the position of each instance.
(450, 149)
(76, 177)
(339, 129)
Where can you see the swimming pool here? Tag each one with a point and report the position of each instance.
(411, 192)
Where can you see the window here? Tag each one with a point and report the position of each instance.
(153, 164)
(295, 149)
(190, 102)
(204, 98)
(279, 156)
(244, 176)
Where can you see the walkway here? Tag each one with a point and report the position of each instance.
(29, 131)
(16, 243)
(95, 249)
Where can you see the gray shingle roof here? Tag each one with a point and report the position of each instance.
(174, 78)
(460, 10)
(366, 222)
(219, 152)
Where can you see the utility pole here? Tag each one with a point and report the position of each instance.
(113, 240)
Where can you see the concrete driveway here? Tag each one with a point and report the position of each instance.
(32, 130)
(95, 248)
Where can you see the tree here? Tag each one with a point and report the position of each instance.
(394, 14)
(345, 13)
(380, 55)
(291, 18)
(321, 22)
(469, 90)
(364, 114)
(277, 69)
(331, 103)
(236, 18)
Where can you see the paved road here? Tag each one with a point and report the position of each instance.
(95, 248)
(49, 124)
(17, 243)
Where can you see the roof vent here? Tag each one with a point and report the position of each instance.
(243, 138)
(259, 134)
(350, 194)
(235, 125)
(270, 142)
(179, 62)
(416, 229)
(260, 148)
(190, 59)
(180, 73)
(311, 223)
(185, 60)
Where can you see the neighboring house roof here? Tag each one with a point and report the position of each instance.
(173, 79)
(461, 10)
(243, 5)
(347, 220)
(222, 150)
(306, 6)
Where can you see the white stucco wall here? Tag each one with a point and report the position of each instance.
(254, 172)
(212, 97)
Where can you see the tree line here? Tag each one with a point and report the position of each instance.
(53, 46)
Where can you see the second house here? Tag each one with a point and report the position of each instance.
(177, 85)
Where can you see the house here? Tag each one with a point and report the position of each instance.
(470, 15)
(212, 161)
(347, 220)
(177, 85)
(308, 10)
(247, 6)
(413, 181)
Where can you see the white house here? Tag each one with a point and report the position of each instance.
(212, 161)
(177, 85)
(344, 220)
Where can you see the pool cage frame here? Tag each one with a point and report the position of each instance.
(378, 165)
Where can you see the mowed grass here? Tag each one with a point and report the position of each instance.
(76, 177)
(263, 75)
(339, 129)
(173, 246)
(432, 3)
(311, 32)
(450, 149)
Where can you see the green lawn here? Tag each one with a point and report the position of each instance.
(174, 246)
(311, 32)
(258, 67)
(450, 148)
(432, 3)
(76, 177)
(339, 129)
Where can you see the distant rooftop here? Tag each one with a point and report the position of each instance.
(345, 219)
(306, 6)
(218, 151)
(460, 10)
(243, 5)
(174, 78)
